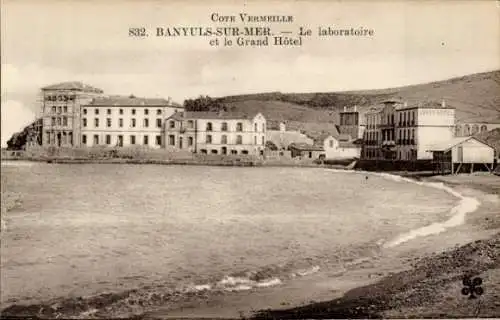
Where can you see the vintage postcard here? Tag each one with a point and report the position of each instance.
(250, 159)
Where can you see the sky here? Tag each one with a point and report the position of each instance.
(50, 41)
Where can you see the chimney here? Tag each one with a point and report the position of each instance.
(443, 104)
(169, 100)
(406, 104)
(345, 109)
(355, 108)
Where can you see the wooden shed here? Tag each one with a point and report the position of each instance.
(461, 154)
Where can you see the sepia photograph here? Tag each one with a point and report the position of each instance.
(219, 159)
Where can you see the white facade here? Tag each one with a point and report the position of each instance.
(417, 128)
(217, 133)
(337, 150)
(122, 125)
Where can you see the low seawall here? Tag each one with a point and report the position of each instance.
(393, 165)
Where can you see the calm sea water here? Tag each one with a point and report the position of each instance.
(86, 229)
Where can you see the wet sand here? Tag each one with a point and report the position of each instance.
(417, 279)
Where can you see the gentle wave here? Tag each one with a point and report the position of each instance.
(17, 163)
(458, 213)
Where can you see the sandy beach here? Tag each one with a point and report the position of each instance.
(418, 278)
(421, 278)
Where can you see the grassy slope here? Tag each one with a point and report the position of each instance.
(476, 98)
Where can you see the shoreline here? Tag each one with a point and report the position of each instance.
(430, 288)
(353, 304)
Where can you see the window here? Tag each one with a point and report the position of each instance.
(190, 141)
(171, 140)
(209, 138)
(146, 112)
(132, 123)
(234, 152)
(255, 140)
(84, 139)
(203, 151)
(108, 139)
(53, 121)
(263, 140)
(120, 122)
(239, 139)
(190, 124)
(224, 126)
(96, 122)
(120, 111)
(96, 111)
(209, 126)
(256, 128)
(133, 111)
(146, 122)
(132, 139)
(158, 123)
(54, 109)
(59, 110)
(244, 151)
(158, 112)
(263, 127)
(58, 121)
(158, 140)
(223, 139)
(96, 139)
(146, 140)
(65, 121)
(120, 140)
(84, 122)
(108, 122)
(171, 124)
(108, 111)
(65, 109)
(84, 111)
(213, 151)
(331, 143)
(239, 126)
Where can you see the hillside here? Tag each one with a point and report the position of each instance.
(476, 98)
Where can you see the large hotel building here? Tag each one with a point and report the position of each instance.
(402, 131)
(78, 115)
(75, 114)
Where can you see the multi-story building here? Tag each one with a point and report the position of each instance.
(217, 132)
(372, 134)
(387, 129)
(418, 126)
(60, 106)
(352, 123)
(404, 132)
(76, 114)
(125, 121)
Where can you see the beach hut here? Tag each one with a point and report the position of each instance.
(461, 154)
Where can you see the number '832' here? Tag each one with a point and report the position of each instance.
(137, 32)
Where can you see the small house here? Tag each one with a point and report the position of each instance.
(461, 155)
(304, 150)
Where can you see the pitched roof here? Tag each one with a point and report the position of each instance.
(130, 101)
(214, 115)
(283, 139)
(447, 145)
(349, 144)
(73, 85)
(306, 147)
